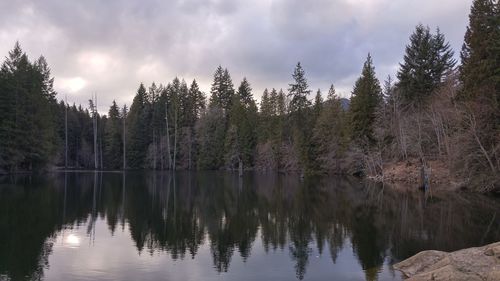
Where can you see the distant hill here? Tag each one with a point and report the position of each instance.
(345, 103)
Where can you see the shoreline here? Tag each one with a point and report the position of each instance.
(477, 263)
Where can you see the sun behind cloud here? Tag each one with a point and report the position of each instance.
(70, 85)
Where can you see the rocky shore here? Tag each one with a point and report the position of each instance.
(472, 264)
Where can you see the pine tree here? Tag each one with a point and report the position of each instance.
(332, 95)
(138, 129)
(298, 90)
(281, 103)
(427, 60)
(222, 90)
(366, 97)
(318, 104)
(27, 120)
(329, 132)
(196, 103)
(242, 138)
(113, 138)
(301, 121)
(210, 135)
(480, 94)
(124, 113)
(480, 55)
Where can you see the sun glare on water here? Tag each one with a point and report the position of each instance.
(72, 240)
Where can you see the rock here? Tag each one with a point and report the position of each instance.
(480, 263)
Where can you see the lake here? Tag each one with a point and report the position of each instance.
(218, 226)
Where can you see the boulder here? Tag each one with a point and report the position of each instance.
(479, 263)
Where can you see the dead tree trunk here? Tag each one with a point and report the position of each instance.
(66, 132)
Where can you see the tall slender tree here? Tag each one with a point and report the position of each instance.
(113, 138)
(298, 90)
(366, 97)
(138, 132)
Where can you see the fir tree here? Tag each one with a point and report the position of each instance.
(298, 90)
(329, 132)
(138, 129)
(318, 103)
(222, 90)
(480, 55)
(427, 59)
(113, 138)
(27, 120)
(366, 97)
(301, 119)
(265, 104)
(197, 102)
(241, 137)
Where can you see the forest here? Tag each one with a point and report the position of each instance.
(436, 112)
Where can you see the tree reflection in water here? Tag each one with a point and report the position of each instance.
(176, 215)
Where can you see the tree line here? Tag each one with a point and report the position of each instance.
(435, 109)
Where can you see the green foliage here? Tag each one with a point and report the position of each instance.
(318, 104)
(138, 133)
(480, 55)
(113, 139)
(480, 93)
(302, 120)
(366, 97)
(241, 137)
(171, 127)
(222, 90)
(298, 90)
(427, 60)
(27, 120)
(329, 133)
(211, 133)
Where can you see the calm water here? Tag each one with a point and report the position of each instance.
(216, 226)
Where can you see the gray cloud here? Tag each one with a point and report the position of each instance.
(109, 47)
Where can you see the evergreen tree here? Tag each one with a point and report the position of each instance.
(301, 119)
(113, 138)
(329, 132)
(427, 60)
(298, 90)
(480, 77)
(480, 55)
(138, 129)
(196, 101)
(332, 95)
(222, 90)
(265, 104)
(281, 103)
(210, 135)
(366, 97)
(241, 138)
(318, 104)
(27, 128)
(265, 116)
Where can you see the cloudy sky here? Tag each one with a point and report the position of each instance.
(109, 47)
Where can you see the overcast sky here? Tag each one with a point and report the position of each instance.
(109, 47)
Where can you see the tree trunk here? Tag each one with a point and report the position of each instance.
(169, 158)
(124, 139)
(175, 140)
(66, 132)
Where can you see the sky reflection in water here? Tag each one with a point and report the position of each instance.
(216, 226)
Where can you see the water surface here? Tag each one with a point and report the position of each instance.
(217, 226)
